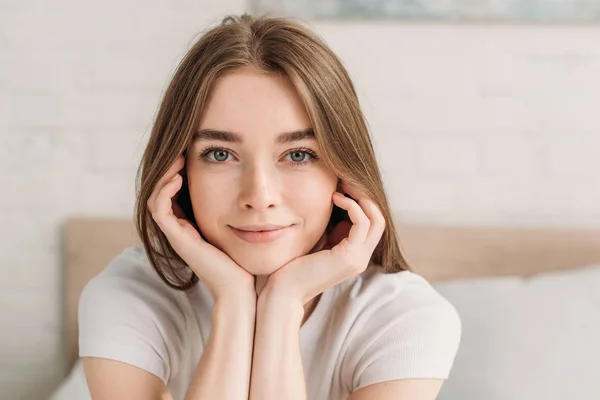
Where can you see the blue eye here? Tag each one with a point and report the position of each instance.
(302, 156)
(218, 154)
(298, 156)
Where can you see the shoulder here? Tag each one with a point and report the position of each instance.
(127, 313)
(396, 295)
(130, 282)
(403, 328)
(129, 272)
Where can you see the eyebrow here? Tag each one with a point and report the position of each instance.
(234, 137)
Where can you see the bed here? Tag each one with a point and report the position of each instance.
(453, 258)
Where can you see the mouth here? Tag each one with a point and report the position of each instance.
(260, 228)
(261, 234)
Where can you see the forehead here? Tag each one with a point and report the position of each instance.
(254, 104)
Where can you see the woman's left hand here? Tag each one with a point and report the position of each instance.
(347, 253)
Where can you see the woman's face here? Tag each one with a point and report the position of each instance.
(254, 165)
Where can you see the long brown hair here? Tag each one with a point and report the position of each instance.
(274, 45)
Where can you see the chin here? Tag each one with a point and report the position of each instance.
(263, 262)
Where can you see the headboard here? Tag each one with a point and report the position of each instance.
(436, 252)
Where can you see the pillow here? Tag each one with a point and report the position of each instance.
(526, 338)
(74, 387)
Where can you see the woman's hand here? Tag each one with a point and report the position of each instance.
(348, 252)
(222, 276)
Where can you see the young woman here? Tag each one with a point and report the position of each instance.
(269, 266)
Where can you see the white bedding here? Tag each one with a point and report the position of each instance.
(534, 338)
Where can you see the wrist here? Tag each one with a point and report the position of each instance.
(273, 302)
(244, 300)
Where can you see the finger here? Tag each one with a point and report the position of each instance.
(174, 169)
(360, 221)
(377, 221)
(371, 209)
(163, 212)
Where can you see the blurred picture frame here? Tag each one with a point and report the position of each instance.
(451, 10)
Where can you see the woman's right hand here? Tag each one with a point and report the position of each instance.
(222, 276)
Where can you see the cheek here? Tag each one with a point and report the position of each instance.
(312, 195)
(208, 196)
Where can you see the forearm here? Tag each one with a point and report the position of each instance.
(277, 371)
(223, 371)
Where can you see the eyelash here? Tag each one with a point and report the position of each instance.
(312, 155)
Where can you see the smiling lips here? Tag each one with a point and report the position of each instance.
(260, 233)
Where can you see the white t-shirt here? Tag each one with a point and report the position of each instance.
(372, 328)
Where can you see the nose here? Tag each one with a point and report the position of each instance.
(260, 187)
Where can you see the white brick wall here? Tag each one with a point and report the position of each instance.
(473, 124)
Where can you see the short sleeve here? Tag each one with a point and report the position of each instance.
(132, 321)
(421, 344)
